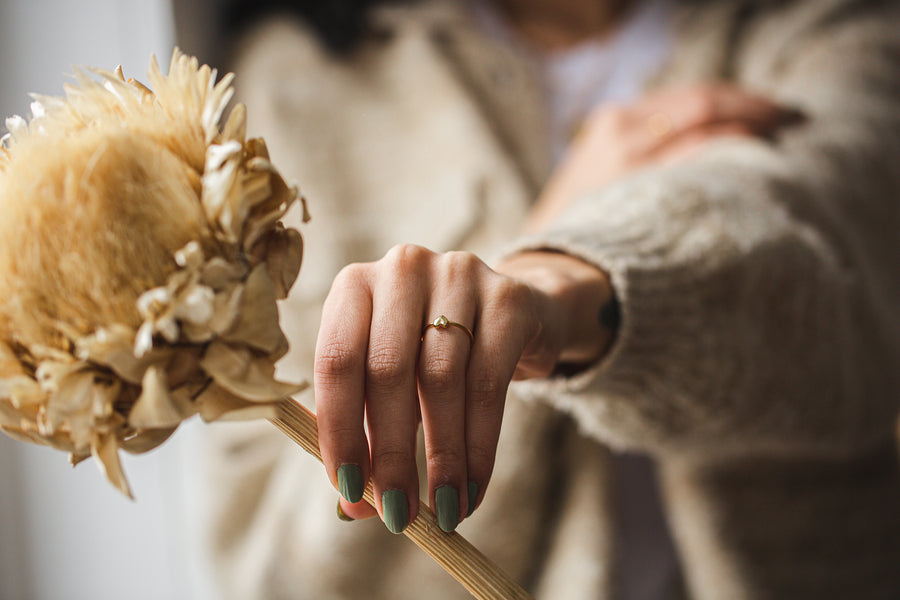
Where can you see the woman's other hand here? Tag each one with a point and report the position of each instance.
(657, 129)
(375, 362)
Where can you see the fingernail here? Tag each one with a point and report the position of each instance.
(472, 490)
(446, 500)
(350, 483)
(342, 515)
(396, 510)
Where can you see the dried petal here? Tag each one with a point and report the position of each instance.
(143, 339)
(256, 187)
(227, 309)
(306, 216)
(156, 408)
(153, 302)
(167, 326)
(16, 124)
(72, 404)
(9, 417)
(145, 441)
(218, 155)
(236, 126)
(245, 375)
(196, 334)
(217, 99)
(195, 305)
(113, 347)
(259, 225)
(183, 371)
(46, 353)
(9, 364)
(77, 457)
(157, 308)
(219, 273)
(284, 254)
(190, 257)
(104, 395)
(218, 404)
(105, 451)
(257, 147)
(20, 391)
(257, 323)
(22, 435)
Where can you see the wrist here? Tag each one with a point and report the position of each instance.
(581, 314)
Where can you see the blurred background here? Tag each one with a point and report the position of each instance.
(64, 533)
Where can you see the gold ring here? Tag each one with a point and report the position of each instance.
(443, 322)
(660, 124)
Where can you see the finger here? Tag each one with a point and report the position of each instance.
(442, 386)
(697, 107)
(683, 146)
(505, 327)
(356, 512)
(339, 381)
(671, 126)
(391, 395)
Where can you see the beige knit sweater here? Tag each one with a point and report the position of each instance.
(759, 357)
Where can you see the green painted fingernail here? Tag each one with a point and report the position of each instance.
(472, 490)
(350, 482)
(395, 509)
(446, 500)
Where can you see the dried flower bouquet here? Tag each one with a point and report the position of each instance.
(141, 257)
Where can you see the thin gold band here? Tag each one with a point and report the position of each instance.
(443, 322)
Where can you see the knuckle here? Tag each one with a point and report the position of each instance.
(343, 435)
(460, 265)
(392, 458)
(335, 360)
(445, 459)
(438, 374)
(512, 305)
(404, 256)
(702, 106)
(386, 367)
(486, 391)
(352, 275)
(508, 292)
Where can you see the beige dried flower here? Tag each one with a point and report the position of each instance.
(141, 257)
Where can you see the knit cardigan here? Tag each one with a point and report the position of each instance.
(758, 361)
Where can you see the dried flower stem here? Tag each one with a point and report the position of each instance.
(451, 551)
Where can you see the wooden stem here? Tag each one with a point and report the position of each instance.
(458, 557)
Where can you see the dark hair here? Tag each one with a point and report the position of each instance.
(340, 24)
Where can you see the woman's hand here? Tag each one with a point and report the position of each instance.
(658, 128)
(375, 362)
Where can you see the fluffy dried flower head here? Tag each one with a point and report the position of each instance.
(141, 256)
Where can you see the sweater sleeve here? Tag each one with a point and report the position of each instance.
(759, 282)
